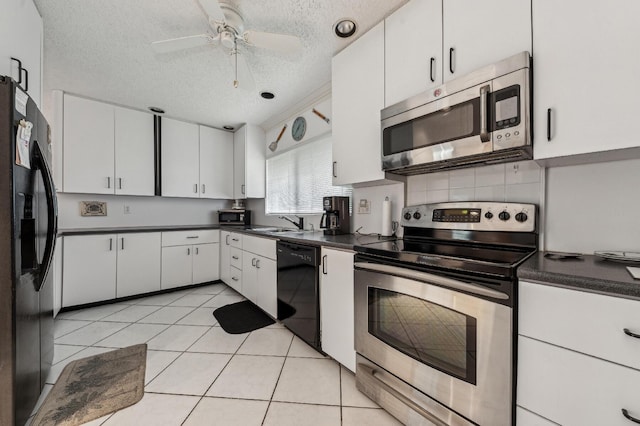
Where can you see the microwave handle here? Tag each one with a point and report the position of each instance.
(484, 134)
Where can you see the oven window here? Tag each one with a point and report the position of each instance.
(457, 122)
(437, 336)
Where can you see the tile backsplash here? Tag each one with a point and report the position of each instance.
(519, 182)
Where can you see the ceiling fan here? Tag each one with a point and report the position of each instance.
(228, 30)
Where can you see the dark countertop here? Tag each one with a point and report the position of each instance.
(586, 273)
(317, 238)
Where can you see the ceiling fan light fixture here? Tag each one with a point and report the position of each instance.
(345, 28)
(267, 95)
(156, 110)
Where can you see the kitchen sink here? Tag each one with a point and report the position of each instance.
(274, 230)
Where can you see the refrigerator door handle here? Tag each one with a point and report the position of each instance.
(52, 215)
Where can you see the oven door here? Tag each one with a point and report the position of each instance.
(455, 348)
(450, 127)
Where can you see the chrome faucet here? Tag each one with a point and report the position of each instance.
(299, 224)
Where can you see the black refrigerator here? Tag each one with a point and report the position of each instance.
(28, 227)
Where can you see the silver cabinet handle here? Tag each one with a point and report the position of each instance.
(630, 333)
(122, 243)
(333, 170)
(203, 188)
(629, 416)
(188, 252)
(253, 262)
(196, 251)
(110, 244)
(191, 237)
(108, 181)
(195, 188)
(226, 239)
(234, 278)
(548, 124)
(430, 278)
(242, 188)
(235, 239)
(235, 257)
(484, 134)
(324, 264)
(119, 183)
(258, 263)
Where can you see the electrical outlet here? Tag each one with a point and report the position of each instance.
(364, 207)
(127, 209)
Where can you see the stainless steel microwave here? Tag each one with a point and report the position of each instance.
(234, 217)
(481, 118)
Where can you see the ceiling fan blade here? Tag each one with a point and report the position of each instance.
(243, 75)
(180, 43)
(281, 42)
(213, 10)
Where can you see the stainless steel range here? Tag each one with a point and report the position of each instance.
(434, 313)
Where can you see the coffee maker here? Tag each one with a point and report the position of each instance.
(336, 218)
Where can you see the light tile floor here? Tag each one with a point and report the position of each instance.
(197, 374)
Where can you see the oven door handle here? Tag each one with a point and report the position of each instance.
(431, 278)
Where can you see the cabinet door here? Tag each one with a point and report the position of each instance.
(180, 159)
(89, 269)
(239, 149)
(216, 163)
(206, 263)
(485, 32)
(255, 162)
(267, 276)
(21, 26)
(88, 146)
(527, 418)
(357, 75)
(570, 388)
(139, 257)
(177, 267)
(134, 156)
(336, 306)
(413, 50)
(225, 257)
(249, 277)
(574, 49)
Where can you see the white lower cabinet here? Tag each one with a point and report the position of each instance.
(336, 306)
(185, 263)
(138, 266)
(577, 363)
(89, 269)
(225, 256)
(260, 273)
(527, 418)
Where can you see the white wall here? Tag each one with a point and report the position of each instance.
(593, 207)
(145, 211)
(513, 182)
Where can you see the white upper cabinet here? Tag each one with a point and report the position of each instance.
(357, 97)
(575, 49)
(479, 33)
(249, 162)
(413, 50)
(88, 164)
(21, 38)
(107, 149)
(134, 152)
(180, 159)
(216, 163)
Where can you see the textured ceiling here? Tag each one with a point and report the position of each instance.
(101, 49)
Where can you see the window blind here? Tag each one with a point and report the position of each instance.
(298, 179)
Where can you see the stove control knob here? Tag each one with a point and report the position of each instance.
(521, 217)
(504, 215)
(417, 215)
(488, 215)
(407, 216)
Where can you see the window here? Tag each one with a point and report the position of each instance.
(298, 179)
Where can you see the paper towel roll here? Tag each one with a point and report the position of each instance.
(386, 218)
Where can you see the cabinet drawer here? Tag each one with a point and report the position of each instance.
(265, 247)
(236, 278)
(180, 238)
(235, 240)
(235, 257)
(589, 323)
(570, 388)
(527, 418)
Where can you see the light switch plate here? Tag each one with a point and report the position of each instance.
(364, 207)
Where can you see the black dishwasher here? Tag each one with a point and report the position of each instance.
(298, 290)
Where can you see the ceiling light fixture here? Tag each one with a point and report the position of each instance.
(227, 127)
(156, 110)
(267, 95)
(345, 28)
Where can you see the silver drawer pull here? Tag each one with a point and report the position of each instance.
(235, 239)
(630, 333)
(234, 278)
(194, 236)
(235, 257)
(629, 416)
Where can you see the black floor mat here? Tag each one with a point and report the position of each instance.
(241, 317)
